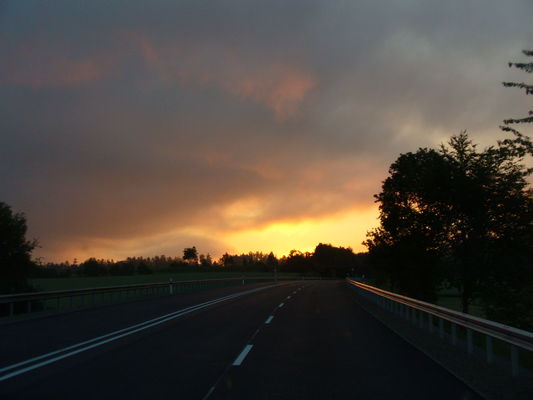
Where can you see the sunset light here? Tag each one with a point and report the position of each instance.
(266, 199)
(346, 230)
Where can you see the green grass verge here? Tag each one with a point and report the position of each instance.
(454, 303)
(47, 284)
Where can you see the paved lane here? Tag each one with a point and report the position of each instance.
(181, 357)
(322, 345)
(278, 343)
(24, 339)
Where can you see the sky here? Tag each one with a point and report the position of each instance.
(135, 128)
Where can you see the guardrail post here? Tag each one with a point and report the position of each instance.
(414, 311)
(514, 360)
(170, 288)
(454, 333)
(488, 343)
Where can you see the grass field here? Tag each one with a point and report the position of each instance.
(454, 303)
(47, 284)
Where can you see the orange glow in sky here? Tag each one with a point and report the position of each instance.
(347, 230)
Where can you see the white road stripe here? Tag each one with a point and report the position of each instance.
(288, 297)
(238, 361)
(101, 337)
(269, 319)
(112, 336)
(209, 393)
(281, 305)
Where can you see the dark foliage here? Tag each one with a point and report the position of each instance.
(15, 252)
(461, 216)
(190, 254)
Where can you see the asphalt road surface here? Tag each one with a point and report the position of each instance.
(297, 340)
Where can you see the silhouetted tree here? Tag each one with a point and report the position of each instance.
(520, 144)
(272, 262)
(528, 88)
(15, 251)
(297, 261)
(190, 254)
(333, 261)
(403, 247)
(144, 269)
(206, 260)
(458, 206)
(93, 267)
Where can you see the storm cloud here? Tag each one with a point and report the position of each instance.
(139, 128)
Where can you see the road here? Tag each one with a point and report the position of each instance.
(297, 340)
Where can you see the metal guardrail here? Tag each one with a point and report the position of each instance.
(409, 308)
(121, 292)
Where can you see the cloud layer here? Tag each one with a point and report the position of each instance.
(141, 130)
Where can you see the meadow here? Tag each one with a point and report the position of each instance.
(83, 282)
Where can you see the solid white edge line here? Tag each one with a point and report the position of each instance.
(108, 334)
(211, 390)
(130, 330)
(238, 361)
(269, 319)
(115, 333)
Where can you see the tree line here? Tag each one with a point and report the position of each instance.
(326, 260)
(16, 265)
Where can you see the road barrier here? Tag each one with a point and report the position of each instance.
(434, 318)
(24, 303)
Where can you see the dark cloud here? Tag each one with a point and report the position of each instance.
(128, 127)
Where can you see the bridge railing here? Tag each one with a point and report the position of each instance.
(433, 318)
(16, 304)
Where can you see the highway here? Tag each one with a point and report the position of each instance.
(293, 340)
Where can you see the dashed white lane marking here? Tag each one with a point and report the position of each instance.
(288, 297)
(281, 305)
(269, 319)
(238, 361)
(294, 292)
(110, 337)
